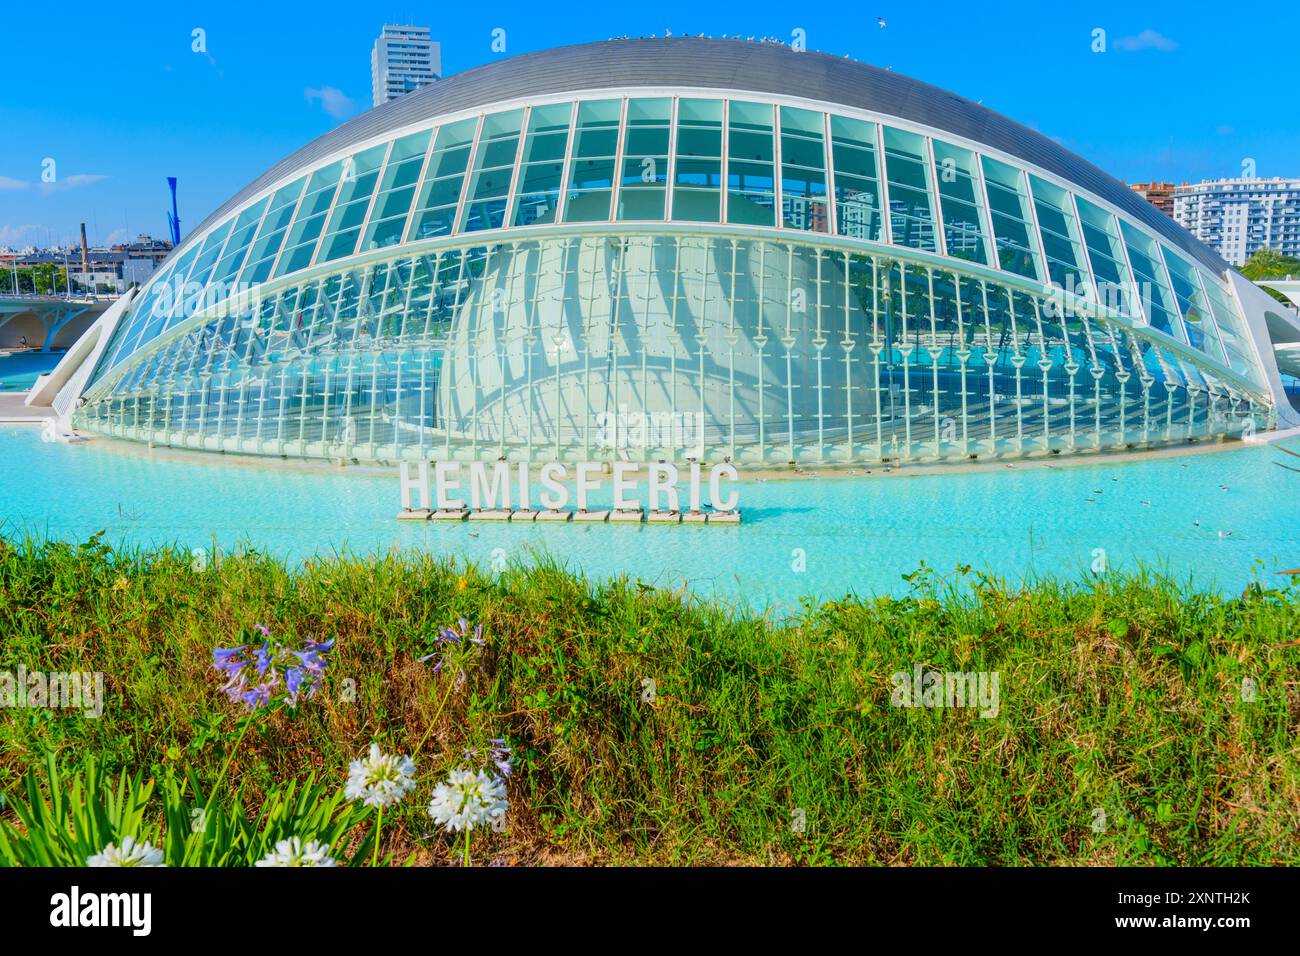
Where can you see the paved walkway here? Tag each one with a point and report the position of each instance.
(12, 409)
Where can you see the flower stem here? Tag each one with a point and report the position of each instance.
(434, 722)
(379, 829)
(467, 846)
(212, 794)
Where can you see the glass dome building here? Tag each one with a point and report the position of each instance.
(669, 248)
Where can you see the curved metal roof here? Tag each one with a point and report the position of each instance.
(758, 67)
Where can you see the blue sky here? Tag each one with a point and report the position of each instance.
(115, 96)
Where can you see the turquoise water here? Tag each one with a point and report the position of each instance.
(18, 371)
(856, 534)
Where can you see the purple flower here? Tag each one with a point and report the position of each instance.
(226, 659)
(498, 753)
(286, 673)
(293, 680)
(266, 631)
(452, 637)
(258, 697)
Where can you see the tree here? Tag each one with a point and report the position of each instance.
(1270, 264)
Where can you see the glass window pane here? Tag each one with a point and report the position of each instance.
(963, 230)
(911, 211)
(1060, 234)
(645, 160)
(1114, 284)
(1194, 307)
(803, 170)
(493, 171)
(1232, 332)
(857, 189)
(1153, 290)
(1009, 211)
(300, 243)
(593, 168)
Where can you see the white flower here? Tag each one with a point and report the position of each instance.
(468, 799)
(293, 852)
(130, 854)
(198, 820)
(380, 779)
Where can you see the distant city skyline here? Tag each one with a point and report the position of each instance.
(216, 96)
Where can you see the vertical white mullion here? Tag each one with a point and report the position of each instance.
(471, 168)
(1083, 248)
(670, 187)
(1169, 284)
(779, 177)
(724, 160)
(936, 206)
(512, 192)
(832, 214)
(374, 198)
(616, 183)
(984, 209)
(566, 180)
(1039, 247)
(886, 213)
(420, 182)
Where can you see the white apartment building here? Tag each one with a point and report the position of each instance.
(1238, 217)
(404, 58)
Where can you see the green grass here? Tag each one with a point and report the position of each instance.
(1121, 693)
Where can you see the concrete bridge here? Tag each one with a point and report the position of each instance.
(50, 321)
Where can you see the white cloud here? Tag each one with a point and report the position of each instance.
(1146, 40)
(8, 183)
(332, 100)
(64, 183)
(23, 234)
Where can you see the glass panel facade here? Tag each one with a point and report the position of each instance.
(643, 187)
(960, 201)
(592, 168)
(271, 233)
(697, 162)
(352, 204)
(300, 244)
(1232, 331)
(710, 357)
(1012, 222)
(803, 170)
(657, 159)
(493, 172)
(1100, 235)
(541, 173)
(911, 213)
(1154, 294)
(1194, 307)
(1059, 229)
(857, 179)
(396, 192)
(444, 180)
(751, 164)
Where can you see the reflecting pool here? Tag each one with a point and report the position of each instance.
(1216, 518)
